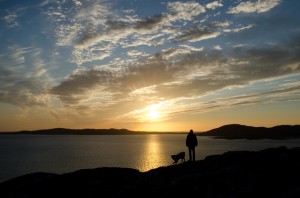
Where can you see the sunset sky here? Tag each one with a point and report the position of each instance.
(149, 65)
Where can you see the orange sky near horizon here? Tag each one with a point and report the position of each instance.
(258, 116)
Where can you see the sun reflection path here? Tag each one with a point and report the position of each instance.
(153, 155)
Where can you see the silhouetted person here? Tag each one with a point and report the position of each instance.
(191, 143)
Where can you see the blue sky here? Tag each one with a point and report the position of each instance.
(149, 65)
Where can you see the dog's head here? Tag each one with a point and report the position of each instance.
(174, 157)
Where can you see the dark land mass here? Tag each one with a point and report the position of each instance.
(272, 172)
(237, 131)
(65, 131)
(232, 131)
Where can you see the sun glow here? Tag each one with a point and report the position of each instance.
(153, 113)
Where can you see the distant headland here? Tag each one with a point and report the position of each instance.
(231, 131)
(237, 131)
(66, 131)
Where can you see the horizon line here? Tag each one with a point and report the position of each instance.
(141, 131)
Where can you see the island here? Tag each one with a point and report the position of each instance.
(272, 172)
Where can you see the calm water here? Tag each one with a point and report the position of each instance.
(22, 154)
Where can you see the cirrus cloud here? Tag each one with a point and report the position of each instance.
(257, 6)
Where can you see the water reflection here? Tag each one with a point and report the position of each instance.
(152, 155)
(22, 154)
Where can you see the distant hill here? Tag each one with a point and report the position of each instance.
(64, 131)
(231, 131)
(237, 131)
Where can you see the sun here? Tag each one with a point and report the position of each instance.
(153, 113)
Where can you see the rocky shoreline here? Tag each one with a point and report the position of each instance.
(272, 172)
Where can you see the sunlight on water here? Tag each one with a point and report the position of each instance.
(151, 156)
(23, 154)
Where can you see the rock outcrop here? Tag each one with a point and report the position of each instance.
(271, 172)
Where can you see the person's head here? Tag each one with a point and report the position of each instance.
(191, 131)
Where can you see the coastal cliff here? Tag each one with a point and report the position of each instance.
(272, 172)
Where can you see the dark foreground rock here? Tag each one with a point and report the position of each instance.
(273, 172)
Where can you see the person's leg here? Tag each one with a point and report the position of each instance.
(193, 153)
(190, 154)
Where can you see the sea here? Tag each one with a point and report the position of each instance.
(24, 154)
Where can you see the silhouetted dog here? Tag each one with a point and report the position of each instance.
(179, 156)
